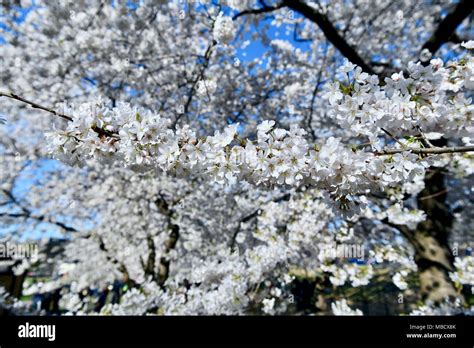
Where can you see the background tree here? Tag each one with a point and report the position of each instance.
(223, 152)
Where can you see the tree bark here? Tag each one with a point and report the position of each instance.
(430, 240)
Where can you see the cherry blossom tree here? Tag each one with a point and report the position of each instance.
(336, 162)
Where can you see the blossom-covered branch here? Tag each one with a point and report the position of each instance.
(280, 156)
(138, 137)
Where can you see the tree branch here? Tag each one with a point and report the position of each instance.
(254, 214)
(427, 151)
(40, 218)
(391, 136)
(448, 26)
(264, 9)
(102, 132)
(121, 266)
(35, 106)
(207, 57)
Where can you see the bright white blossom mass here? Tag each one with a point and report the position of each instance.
(341, 308)
(135, 136)
(224, 30)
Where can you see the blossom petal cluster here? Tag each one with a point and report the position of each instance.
(430, 98)
(342, 308)
(277, 156)
(224, 29)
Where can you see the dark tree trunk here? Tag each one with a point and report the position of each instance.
(430, 240)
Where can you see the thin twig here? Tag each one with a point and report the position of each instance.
(207, 57)
(424, 138)
(433, 195)
(427, 151)
(35, 106)
(391, 136)
(264, 9)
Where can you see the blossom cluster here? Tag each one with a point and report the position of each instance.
(464, 273)
(342, 308)
(224, 29)
(423, 101)
(357, 275)
(137, 137)
(447, 307)
(403, 216)
(431, 99)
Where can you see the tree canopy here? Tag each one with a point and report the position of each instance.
(240, 157)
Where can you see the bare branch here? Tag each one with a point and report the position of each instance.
(35, 106)
(264, 9)
(254, 214)
(393, 137)
(448, 26)
(427, 151)
(207, 57)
